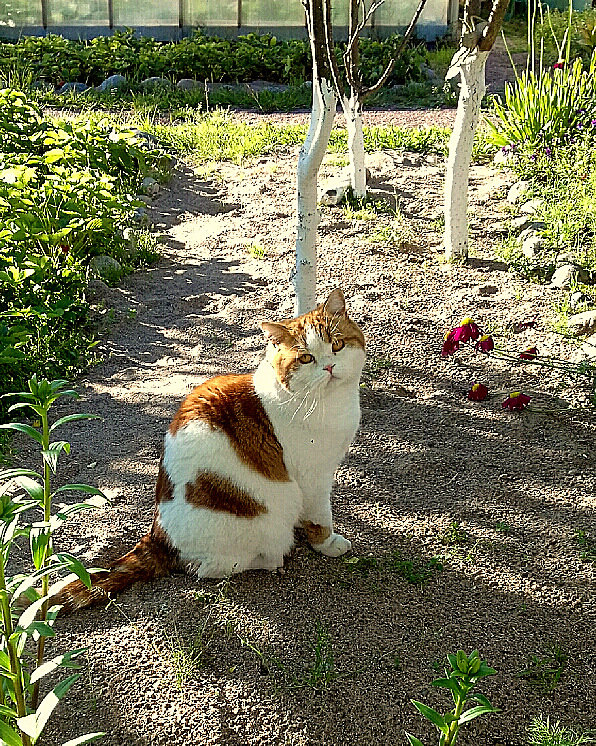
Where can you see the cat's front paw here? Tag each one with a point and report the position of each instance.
(334, 546)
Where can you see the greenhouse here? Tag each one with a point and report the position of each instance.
(171, 19)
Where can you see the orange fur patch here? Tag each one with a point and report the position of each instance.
(164, 489)
(230, 404)
(216, 493)
(314, 533)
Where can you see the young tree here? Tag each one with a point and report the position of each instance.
(353, 104)
(476, 42)
(324, 106)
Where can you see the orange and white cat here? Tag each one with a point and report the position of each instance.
(249, 457)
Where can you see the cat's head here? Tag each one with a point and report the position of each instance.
(321, 348)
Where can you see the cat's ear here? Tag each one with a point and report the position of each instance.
(276, 333)
(335, 305)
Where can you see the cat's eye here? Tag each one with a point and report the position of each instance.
(338, 345)
(306, 358)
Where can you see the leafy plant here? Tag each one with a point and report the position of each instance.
(322, 671)
(544, 733)
(587, 546)
(22, 717)
(544, 669)
(466, 671)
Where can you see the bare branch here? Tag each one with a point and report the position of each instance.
(366, 92)
(471, 12)
(330, 48)
(355, 34)
(495, 21)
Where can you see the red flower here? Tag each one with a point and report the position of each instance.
(530, 354)
(65, 248)
(449, 346)
(485, 344)
(517, 401)
(521, 325)
(559, 65)
(465, 331)
(478, 392)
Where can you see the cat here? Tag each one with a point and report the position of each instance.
(247, 458)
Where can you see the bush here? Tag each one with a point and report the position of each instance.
(57, 60)
(66, 194)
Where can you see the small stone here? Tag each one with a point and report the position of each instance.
(517, 191)
(106, 268)
(525, 221)
(43, 86)
(582, 323)
(150, 186)
(578, 299)
(151, 84)
(587, 350)
(532, 245)
(72, 88)
(140, 216)
(188, 84)
(531, 206)
(486, 290)
(564, 277)
(113, 83)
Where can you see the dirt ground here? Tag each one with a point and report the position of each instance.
(331, 651)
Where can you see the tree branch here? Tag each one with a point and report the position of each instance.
(495, 21)
(366, 92)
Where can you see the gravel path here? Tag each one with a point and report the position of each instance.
(499, 499)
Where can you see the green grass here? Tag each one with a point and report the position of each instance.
(544, 669)
(413, 571)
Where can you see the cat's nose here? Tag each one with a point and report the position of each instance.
(329, 368)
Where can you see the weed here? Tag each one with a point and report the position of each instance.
(256, 250)
(322, 671)
(502, 527)
(544, 733)
(415, 572)
(544, 669)
(183, 656)
(587, 546)
(455, 535)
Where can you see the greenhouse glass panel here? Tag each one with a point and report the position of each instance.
(146, 13)
(77, 12)
(393, 13)
(16, 13)
(272, 13)
(207, 13)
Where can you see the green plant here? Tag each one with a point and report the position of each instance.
(22, 717)
(455, 535)
(415, 572)
(322, 670)
(185, 656)
(544, 733)
(256, 250)
(544, 669)
(466, 671)
(587, 546)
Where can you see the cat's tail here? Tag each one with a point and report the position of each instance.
(153, 557)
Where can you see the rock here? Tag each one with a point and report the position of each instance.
(524, 222)
(43, 86)
(150, 187)
(526, 233)
(106, 268)
(532, 244)
(140, 216)
(333, 194)
(517, 191)
(113, 83)
(578, 299)
(256, 86)
(429, 73)
(582, 323)
(72, 88)
(486, 290)
(188, 84)
(143, 198)
(564, 276)
(530, 207)
(587, 350)
(154, 83)
(433, 159)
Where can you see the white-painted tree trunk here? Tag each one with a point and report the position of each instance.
(309, 161)
(460, 153)
(352, 108)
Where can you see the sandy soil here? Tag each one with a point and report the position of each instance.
(179, 661)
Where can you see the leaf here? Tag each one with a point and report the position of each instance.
(413, 740)
(34, 724)
(32, 488)
(84, 739)
(65, 661)
(448, 684)
(7, 474)
(39, 541)
(73, 418)
(22, 428)
(50, 456)
(9, 736)
(474, 712)
(431, 715)
(86, 488)
(75, 566)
